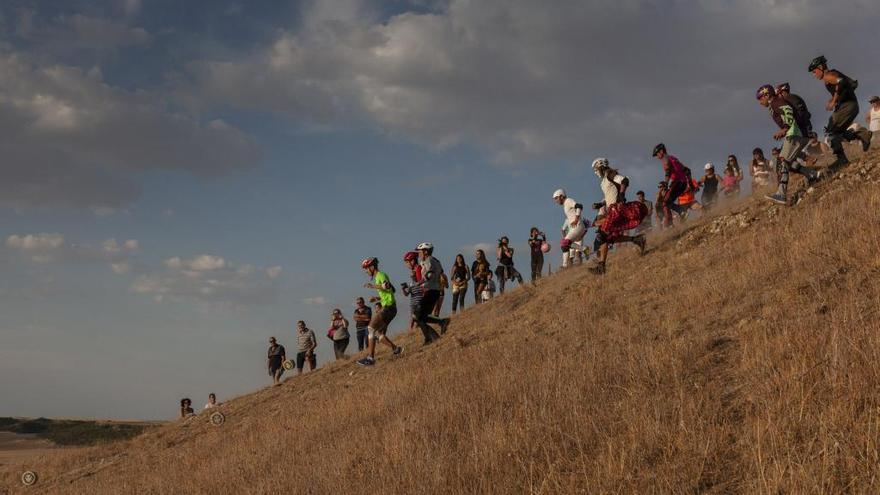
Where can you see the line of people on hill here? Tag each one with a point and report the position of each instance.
(616, 221)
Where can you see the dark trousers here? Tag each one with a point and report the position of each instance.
(423, 315)
(670, 201)
(838, 126)
(537, 265)
(505, 273)
(361, 339)
(458, 298)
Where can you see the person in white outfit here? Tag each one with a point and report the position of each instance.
(574, 228)
(873, 116)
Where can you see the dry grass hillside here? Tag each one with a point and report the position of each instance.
(741, 354)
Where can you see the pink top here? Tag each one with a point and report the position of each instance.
(728, 182)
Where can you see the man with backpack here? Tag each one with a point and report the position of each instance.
(845, 108)
(793, 143)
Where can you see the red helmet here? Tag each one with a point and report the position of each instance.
(368, 262)
(411, 256)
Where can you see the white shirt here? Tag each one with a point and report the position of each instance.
(874, 121)
(571, 213)
(209, 405)
(610, 189)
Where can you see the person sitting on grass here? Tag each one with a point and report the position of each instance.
(186, 410)
(212, 401)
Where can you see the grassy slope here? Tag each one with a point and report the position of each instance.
(740, 354)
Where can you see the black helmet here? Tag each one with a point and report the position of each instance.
(783, 87)
(657, 149)
(817, 62)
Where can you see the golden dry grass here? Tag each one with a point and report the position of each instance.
(742, 354)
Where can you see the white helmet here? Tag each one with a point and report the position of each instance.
(599, 163)
(425, 245)
(559, 193)
(708, 166)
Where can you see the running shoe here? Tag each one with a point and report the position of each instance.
(777, 198)
(445, 324)
(368, 361)
(397, 350)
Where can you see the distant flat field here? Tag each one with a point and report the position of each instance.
(15, 447)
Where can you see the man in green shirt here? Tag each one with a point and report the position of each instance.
(381, 319)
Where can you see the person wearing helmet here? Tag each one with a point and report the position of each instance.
(845, 108)
(677, 178)
(709, 183)
(414, 291)
(793, 141)
(574, 228)
(381, 319)
(429, 281)
(616, 215)
(801, 113)
(536, 249)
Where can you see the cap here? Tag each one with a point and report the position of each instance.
(559, 193)
(708, 166)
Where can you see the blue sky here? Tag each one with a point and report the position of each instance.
(184, 179)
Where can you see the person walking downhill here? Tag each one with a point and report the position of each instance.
(574, 229)
(461, 275)
(381, 319)
(845, 108)
(414, 289)
(275, 357)
(802, 114)
(430, 283)
(362, 316)
(480, 271)
(537, 239)
(646, 224)
(618, 216)
(793, 141)
(677, 179)
(709, 182)
(659, 210)
(306, 345)
(339, 334)
(505, 269)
